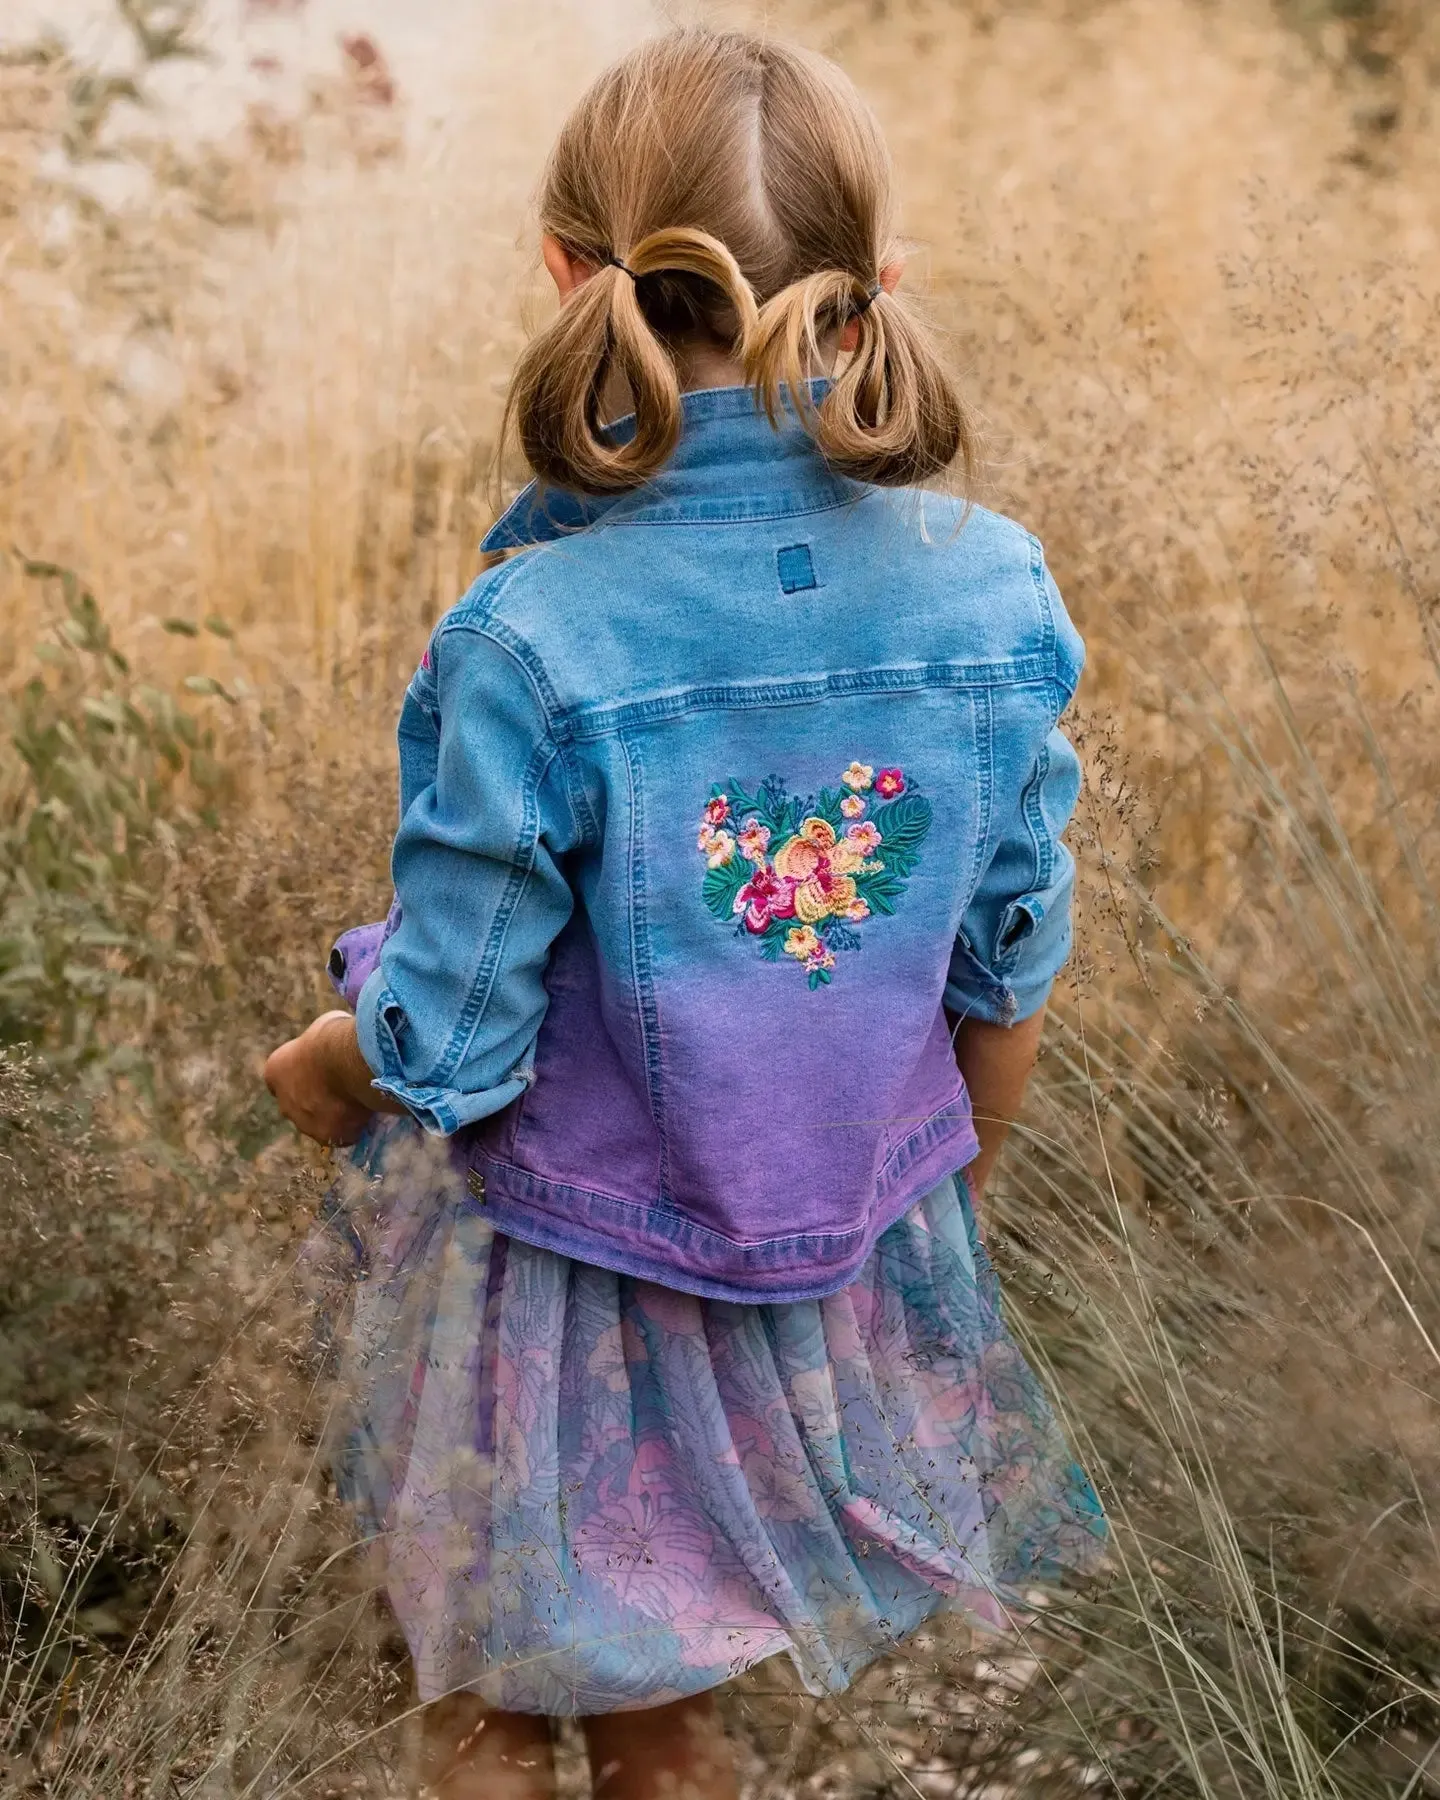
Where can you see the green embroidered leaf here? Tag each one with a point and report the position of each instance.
(760, 805)
(903, 823)
(722, 885)
(827, 807)
(881, 890)
(903, 826)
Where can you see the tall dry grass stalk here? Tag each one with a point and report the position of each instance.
(1189, 258)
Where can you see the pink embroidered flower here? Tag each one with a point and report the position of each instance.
(890, 782)
(765, 896)
(858, 776)
(754, 841)
(857, 910)
(717, 811)
(864, 837)
(820, 959)
(853, 806)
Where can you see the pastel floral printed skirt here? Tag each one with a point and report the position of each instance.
(591, 1492)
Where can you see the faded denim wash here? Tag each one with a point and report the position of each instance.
(648, 954)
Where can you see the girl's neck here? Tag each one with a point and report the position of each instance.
(699, 366)
(704, 366)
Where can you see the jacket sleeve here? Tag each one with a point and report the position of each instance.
(448, 1019)
(1015, 935)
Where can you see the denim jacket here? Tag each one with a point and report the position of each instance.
(713, 799)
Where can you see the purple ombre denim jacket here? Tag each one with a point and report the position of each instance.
(713, 799)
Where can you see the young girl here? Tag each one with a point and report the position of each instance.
(729, 895)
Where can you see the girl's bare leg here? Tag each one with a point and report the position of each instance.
(675, 1752)
(468, 1751)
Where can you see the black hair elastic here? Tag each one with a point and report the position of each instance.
(614, 262)
(872, 294)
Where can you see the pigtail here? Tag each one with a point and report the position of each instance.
(892, 415)
(557, 389)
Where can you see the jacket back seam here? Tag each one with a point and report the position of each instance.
(588, 723)
(642, 971)
(982, 722)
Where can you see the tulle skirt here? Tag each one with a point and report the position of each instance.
(590, 1492)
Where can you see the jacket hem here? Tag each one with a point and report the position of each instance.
(631, 1238)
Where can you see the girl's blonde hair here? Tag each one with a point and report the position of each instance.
(730, 188)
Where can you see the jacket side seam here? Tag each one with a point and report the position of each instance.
(1034, 811)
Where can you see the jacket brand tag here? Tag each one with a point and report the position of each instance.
(797, 568)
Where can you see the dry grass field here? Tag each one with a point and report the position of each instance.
(1187, 253)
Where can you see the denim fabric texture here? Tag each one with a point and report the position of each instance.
(714, 798)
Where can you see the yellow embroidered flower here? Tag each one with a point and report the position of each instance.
(822, 895)
(720, 850)
(810, 903)
(801, 941)
(847, 858)
(858, 776)
(796, 860)
(809, 850)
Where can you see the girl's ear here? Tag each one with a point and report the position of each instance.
(566, 271)
(889, 280)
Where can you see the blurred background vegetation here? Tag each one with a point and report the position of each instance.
(262, 271)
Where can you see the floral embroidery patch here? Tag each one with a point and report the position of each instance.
(802, 876)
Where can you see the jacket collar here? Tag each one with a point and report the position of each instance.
(729, 464)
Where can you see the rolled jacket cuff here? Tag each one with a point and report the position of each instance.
(444, 1111)
(998, 1004)
(975, 991)
(440, 1110)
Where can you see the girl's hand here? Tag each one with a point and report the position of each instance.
(322, 1083)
